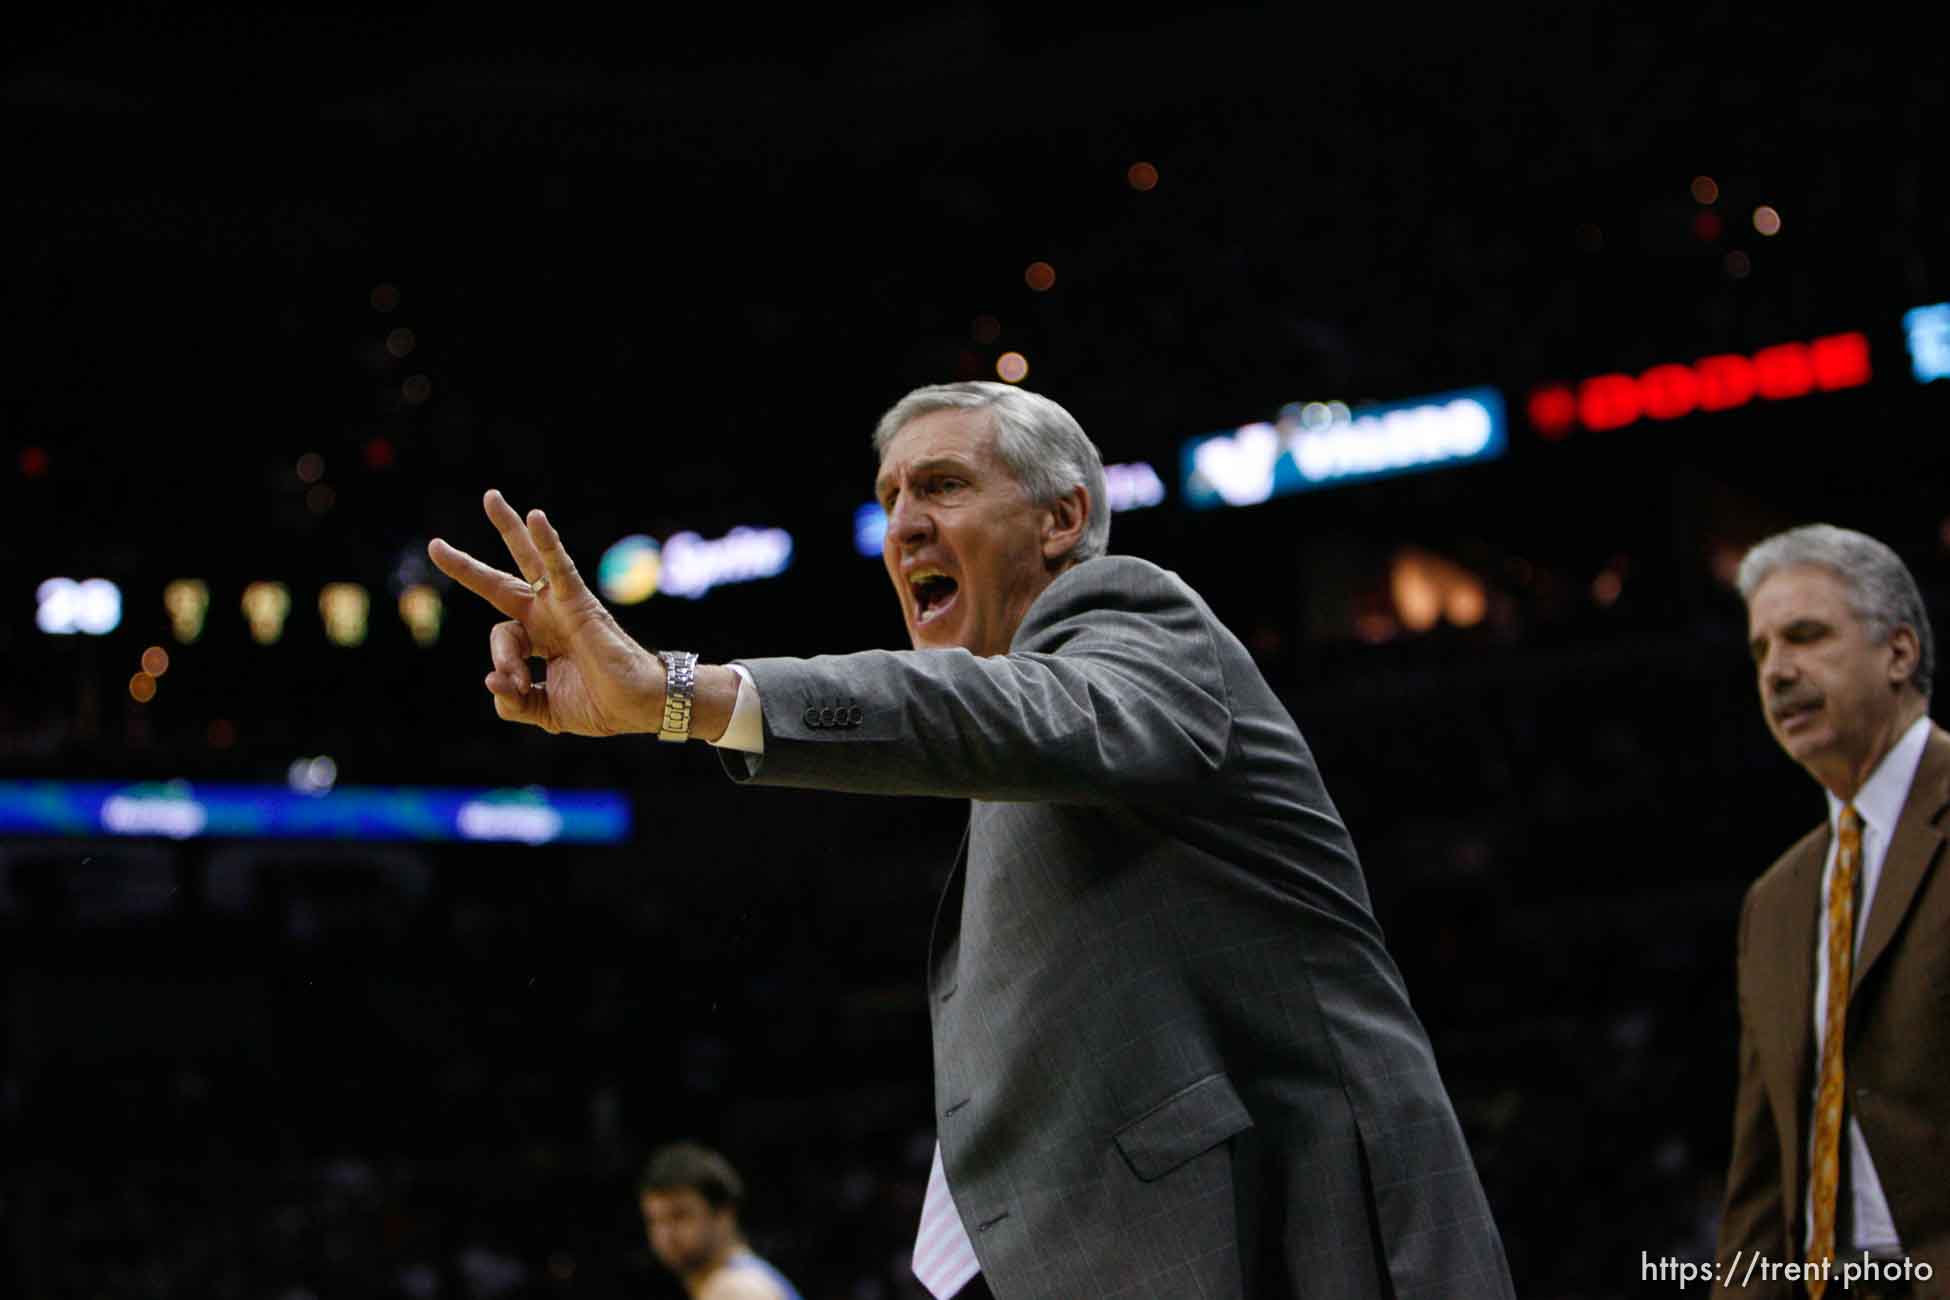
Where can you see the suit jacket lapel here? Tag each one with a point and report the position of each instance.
(944, 939)
(1913, 850)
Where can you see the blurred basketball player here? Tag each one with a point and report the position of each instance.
(690, 1196)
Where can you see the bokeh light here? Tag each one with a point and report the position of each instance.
(1705, 190)
(155, 661)
(400, 342)
(265, 606)
(321, 498)
(1040, 276)
(421, 609)
(33, 462)
(345, 607)
(385, 297)
(1766, 220)
(142, 688)
(416, 389)
(985, 329)
(1012, 366)
(187, 601)
(1142, 176)
(629, 571)
(1738, 264)
(1465, 603)
(311, 467)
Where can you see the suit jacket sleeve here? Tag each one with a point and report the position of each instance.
(1752, 1219)
(1113, 687)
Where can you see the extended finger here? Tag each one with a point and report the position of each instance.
(510, 649)
(561, 569)
(515, 533)
(504, 591)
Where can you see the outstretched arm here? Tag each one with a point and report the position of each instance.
(599, 681)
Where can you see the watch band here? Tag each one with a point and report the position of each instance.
(680, 689)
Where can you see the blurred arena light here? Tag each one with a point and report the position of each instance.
(421, 609)
(1323, 444)
(187, 601)
(1716, 383)
(689, 564)
(1427, 588)
(1013, 367)
(693, 565)
(1132, 486)
(92, 607)
(629, 569)
(869, 529)
(265, 605)
(314, 776)
(181, 810)
(345, 607)
(1928, 329)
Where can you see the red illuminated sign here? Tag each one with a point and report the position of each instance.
(1717, 383)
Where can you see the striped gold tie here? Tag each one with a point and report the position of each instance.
(1827, 1164)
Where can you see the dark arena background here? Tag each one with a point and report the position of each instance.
(1454, 356)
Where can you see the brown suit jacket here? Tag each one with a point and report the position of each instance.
(1896, 1054)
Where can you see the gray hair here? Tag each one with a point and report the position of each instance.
(1041, 443)
(1881, 591)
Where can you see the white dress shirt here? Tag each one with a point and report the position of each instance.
(1879, 803)
(746, 730)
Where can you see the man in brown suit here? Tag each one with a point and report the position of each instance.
(1841, 1132)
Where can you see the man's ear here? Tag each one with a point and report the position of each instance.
(1905, 652)
(1067, 518)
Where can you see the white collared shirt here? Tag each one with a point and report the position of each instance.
(1879, 803)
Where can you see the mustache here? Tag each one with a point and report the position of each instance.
(1790, 703)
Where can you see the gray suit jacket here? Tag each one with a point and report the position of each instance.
(1172, 1055)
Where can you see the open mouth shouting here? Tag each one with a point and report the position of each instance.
(933, 593)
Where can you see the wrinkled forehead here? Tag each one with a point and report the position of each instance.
(951, 434)
(1800, 591)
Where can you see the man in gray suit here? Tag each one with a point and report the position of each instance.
(1173, 1057)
